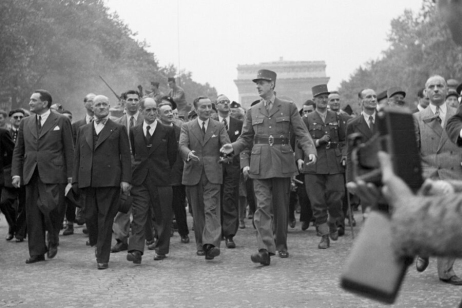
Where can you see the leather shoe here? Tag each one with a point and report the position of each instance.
(200, 253)
(305, 225)
(230, 243)
(85, 230)
(421, 264)
(185, 239)
(52, 251)
(454, 280)
(292, 223)
(283, 254)
(119, 246)
(34, 259)
(261, 257)
(334, 235)
(158, 257)
(151, 245)
(102, 266)
(325, 242)
(241, 225)
(19, 239)
(10, 237)
(341, 230)
(211, 252)
(69, 230)
(134, 256)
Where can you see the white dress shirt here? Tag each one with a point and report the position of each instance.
(44, 117)
(152, 127)
(443, 111)
(367, 116)
(99, 126)
(227, 120)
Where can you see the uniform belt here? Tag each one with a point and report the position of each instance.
(333, 145)
(271, 140)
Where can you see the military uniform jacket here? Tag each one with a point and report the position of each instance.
(277, 160)
(329, 155)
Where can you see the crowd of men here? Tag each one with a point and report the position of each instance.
(132, 177)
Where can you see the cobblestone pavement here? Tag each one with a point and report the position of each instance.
(308, 278)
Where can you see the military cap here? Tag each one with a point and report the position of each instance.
(452, 92)
(171, 79)
(170, 100)
(234, 105)
(459, 88)
(452, 83)
(395, 90)
(255, 102)
(265, 75)
(382, 95)
(319, 89)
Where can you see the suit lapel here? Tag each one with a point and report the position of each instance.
(88, 133)
(444, 137)
(156, 138)
(363, 127)
(318, 118)
(262, 108)
(275, 108)
(105, 132)
(33, 125)
(209, 131)
(428, 118)
(196, 130)
(49, 123)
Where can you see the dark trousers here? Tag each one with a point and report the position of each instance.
(230, 200)
(326, 193)
(292, 204)
(44, 212)
(272, 197)
(13, 206)
(144, 197)
(306, 213)
(101, 206)
(70, 212)
(179, 209)
(205, 201)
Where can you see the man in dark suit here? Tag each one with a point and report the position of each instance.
(102, 169)
(8, 197)
(14, 199)
(267, 125)
(200, 143)
(42, 161)
(365, 124)
(154, 148)
(73, 214)
(130, 119)
(165, 110)
(324, 180)
(231, 171)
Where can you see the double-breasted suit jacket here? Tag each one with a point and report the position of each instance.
(207, 148)
(441, 158)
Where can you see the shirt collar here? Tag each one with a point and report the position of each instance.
(103, 120)
(135, 116)
(220, 118)
(153, 125)
(44, 115)
(206, 122)
(366, 116)
(443, 108)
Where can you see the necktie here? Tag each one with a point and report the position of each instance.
(371, 123)
(437, 114)
(101, 121)
(39, 123)
(148, 133)
(226, 123)
(203, 128)
(268, 105)
(132, 122)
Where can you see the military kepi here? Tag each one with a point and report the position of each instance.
(319, 89)
(265, 75)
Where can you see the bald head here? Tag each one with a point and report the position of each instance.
(147, 100)
(436, 90)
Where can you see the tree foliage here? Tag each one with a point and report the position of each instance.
(64, 45)
(420, 46)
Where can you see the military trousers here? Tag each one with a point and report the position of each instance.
(272, 196)
(325, 192)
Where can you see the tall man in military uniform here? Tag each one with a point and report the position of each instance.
(324, 181)
(268, 125)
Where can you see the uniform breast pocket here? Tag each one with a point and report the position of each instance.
(316, 131)
(255, 158)
(257, 123)
(283, 124)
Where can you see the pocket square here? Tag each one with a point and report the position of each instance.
(56, 128)
(236, 132)
(213, 136)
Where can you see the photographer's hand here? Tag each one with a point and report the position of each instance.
(436, 188)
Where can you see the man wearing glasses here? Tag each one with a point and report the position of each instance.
(130, 119)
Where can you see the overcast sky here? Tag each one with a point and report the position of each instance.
(211, 37)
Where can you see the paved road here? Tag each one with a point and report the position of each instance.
(308, 278)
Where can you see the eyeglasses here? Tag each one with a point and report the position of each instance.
(334, 100)
(18, 117)
(223, 102)
(133, 100)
